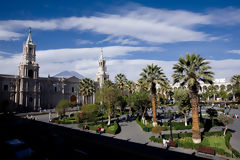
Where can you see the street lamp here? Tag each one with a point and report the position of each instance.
(170, 124)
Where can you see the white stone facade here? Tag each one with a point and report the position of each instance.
(27, 91)
(102, 74)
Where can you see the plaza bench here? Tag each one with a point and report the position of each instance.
(206, 150)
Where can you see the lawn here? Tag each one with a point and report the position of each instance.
(215, 142)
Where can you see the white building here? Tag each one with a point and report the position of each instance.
(27, 91)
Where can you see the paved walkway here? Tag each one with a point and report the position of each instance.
(132, 132)
(235, 127)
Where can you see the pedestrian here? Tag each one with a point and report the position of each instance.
(164, 143)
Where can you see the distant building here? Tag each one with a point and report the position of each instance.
(218, 83)
(29, 92)
(102, 74)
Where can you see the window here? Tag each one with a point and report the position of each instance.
(5, 87)
(30, 99)
(30, 73)
(72, 89)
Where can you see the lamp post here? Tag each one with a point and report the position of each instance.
(170, 124)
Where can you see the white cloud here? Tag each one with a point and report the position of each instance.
(234, 51)
(225, 16)
(140, 23)
(72, 54)
(81, 41)
(79, 59)
(84, 61)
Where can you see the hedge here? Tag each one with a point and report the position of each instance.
(179, 126)
(182, 135)
(112, 129)
(144, 127)
(157, 140)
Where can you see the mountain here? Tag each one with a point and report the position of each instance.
(68, 74)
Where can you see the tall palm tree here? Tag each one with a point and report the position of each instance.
(153, 74)
(120, 80)
(130, 86)
(235, 79)
(141, 85)
(86, 88)
(190, 71)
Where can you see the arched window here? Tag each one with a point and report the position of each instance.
(30, 73)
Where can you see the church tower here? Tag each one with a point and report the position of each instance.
(29, 87)
(102, 74)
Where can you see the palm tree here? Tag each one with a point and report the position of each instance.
(108, 83)
(120, 80)
(142, 85)
(235, 80)
(212, 92)
(86, 88)
(130, 86)
(190, 71)
(153, 74)
(165, 89)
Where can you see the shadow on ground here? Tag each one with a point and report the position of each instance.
(56, 142)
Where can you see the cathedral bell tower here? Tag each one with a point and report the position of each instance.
(28, 68)
(102, 74)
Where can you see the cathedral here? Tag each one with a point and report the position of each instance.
(29, 92)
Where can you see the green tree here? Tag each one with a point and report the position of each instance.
(212, 92)
(130, 86)
(142, 85)
(182, 99)
(86, 88)
(190, 71)
(140, 101)
(224, 95)
(166, 89)
(212, 113)
(90, 112)
(62, 106)
(108, 96)
(108, 83)
(122, 102)
(120, 80)
(235, 80)
(153, 74)
(226, 121)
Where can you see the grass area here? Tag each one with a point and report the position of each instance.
(215, 142)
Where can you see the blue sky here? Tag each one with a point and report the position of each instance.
(70, 35)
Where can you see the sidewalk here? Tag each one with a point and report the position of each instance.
(235, 127)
